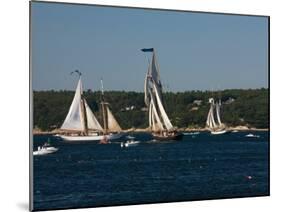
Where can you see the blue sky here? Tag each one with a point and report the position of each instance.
(196, 51)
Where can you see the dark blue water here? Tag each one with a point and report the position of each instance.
(198, 167)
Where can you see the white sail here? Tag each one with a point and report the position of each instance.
(74, 119)
(208, 122)
(91, 119)
(218, 114)
(213, 122)
(113, 125)
(150, 115)
(152, 122)
(157, 124)
(163, 113)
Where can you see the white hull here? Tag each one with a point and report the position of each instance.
(91, 137)
(252, 136)
(218, 132)
(45, 151)
(129, 143)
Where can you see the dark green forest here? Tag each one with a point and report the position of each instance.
(239, 107)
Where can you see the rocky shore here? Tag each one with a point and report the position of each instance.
(236, 128)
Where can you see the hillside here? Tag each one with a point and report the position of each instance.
(185, 109)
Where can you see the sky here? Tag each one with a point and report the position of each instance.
(195, 51)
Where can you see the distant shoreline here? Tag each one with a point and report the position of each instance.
(238, 128)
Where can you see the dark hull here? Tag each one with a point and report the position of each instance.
(160, 137)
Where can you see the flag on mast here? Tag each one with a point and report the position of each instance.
(147, 49)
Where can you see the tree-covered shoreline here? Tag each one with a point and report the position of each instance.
(246, 107)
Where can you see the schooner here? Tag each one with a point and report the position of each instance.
(213, 122)
(159, 122)
(81, 124)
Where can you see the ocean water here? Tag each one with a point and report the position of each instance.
(198, 167)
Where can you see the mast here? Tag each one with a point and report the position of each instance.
(82, 106)
(104, 111)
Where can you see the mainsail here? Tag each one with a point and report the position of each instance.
(74, 119)
(158, 118)
(80, 113)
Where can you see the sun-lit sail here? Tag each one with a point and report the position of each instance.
(218, 114)
(92, 121)
(74, 119)
(163, 113)
(112, 125)
(157, 124)
(150, 114)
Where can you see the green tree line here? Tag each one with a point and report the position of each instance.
(240, 107)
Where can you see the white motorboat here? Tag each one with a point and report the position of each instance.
(251, 135)
(45, 149)
(130, 142)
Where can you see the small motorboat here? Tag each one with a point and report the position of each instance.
(251, 135)
(45, 149)
(130, 142)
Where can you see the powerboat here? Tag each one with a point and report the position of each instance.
(130, 142)
(45, 149)
(251, 135)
